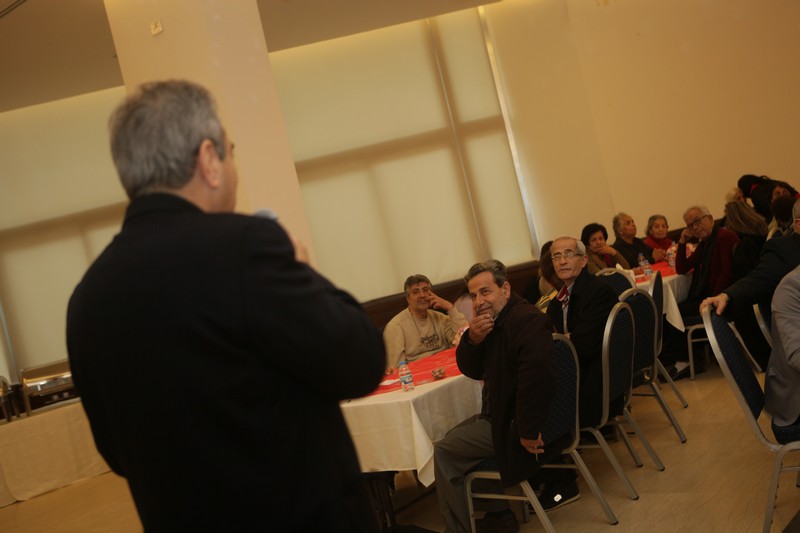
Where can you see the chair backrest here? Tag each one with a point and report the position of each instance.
(618, 346)
(764, 318)
(656, 290)
(563, 414)
(731, 357)
(619, 281)
(645, 318)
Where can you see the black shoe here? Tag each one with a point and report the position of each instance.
(557, 496)
(498, 522)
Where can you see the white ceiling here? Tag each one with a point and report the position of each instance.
(55, 49)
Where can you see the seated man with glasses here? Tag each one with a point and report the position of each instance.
(580, 311)
(421, 329)
(711, 265)
(711, 262)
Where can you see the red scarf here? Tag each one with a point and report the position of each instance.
(655, 244)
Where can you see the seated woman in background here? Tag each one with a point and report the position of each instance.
(549, 284)
(538, 286)
(657, 228)
(782, 224)
(601, 254)
(745, 222)
(629, 245)
(762, 190)
(735, 195)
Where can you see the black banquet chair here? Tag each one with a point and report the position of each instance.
(645, 362)
(618, 280)
(562, 418)
(733, 361)
(618, 346)
(656, 290)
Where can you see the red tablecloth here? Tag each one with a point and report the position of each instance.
(661, 266)
(421, 370)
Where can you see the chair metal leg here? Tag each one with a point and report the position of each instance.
(645, 442)
(663, 373)
(668, 411)
(470, 506)
(601, 441)
(587, 476)
(534, 501)
(773, 490)
(527, 490)
(690, 340)
(628, 444)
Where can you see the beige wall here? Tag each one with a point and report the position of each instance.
(55, 160)
(646, 106)
(629, 105)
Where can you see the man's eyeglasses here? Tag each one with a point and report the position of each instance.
(568, 254)
(696, 222)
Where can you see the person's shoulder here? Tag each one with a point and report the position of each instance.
(594, 287)
(527, 314)
(402, 316)
(787, 291)
(792, 279)
(786, 244)
(726, 234)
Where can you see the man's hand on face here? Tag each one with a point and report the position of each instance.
(479, 327)
(439, 303)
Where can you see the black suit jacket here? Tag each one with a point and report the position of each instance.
(518, 367)
(779, 256)
(211, 365)
(590, 303)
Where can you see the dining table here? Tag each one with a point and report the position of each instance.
(676, 288)
(395, 430)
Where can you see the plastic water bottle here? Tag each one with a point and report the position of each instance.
(406, 379)
(671, 258)
(645, 266)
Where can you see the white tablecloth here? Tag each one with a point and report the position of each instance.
(396, 430)
(46, 451)
(676, 288)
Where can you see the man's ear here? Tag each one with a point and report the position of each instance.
(506, 289)
(208, 165)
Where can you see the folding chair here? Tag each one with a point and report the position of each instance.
(645, 358)
(562, 418)
(730, 354)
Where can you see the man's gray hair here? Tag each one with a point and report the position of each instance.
(580, 248)
(157, 131)
(703, 210)
(616, 222)
(413, 280)
(494, 266)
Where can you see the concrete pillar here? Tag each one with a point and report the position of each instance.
(219, 44)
